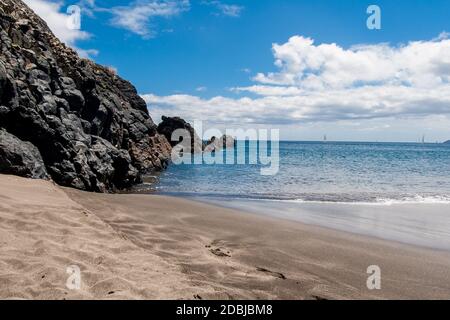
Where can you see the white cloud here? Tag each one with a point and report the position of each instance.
(265, 90)
(331, 105)
(327, 83)
(201, 89)
(442, 36)
(56, 19)
(137, 16)
(231, 10)
(87, 7)
(310, 66)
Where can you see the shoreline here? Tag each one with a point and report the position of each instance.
(423, 225)
(157, 247)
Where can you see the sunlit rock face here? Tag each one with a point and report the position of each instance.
(86, 125)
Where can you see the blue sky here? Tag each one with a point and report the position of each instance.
(202, 48)
(196, 58)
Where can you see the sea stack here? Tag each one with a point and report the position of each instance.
(169, 126)
(217, 144)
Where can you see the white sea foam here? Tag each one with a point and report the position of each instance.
(417, 199)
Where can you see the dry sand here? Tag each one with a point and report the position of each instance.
(155, 247)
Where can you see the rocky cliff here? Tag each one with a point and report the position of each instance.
(68, 118)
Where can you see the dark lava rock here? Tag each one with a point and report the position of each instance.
(217, 144)
(90, 127)
(20, 157)
(171, 125)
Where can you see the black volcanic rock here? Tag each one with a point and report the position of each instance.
(20, 157)
(90, 127)
(169, 125)
(217, 144)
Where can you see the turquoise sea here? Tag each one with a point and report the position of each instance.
(393, 191)
(324, 172)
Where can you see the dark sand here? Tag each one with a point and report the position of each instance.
(156, 247)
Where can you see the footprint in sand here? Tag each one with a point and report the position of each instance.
(272, 273)
(220, 252)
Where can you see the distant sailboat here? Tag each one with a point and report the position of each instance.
(423, 139)
(325, 138)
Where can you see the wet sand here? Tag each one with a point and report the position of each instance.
(420, 224)
(157, 247)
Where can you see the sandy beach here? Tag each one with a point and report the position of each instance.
(158, 247)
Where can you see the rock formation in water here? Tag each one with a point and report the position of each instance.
(169, 126)
(224, 142)
(68, 118)
(447, 142)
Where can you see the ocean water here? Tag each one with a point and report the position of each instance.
(332, 172)
(391, 191)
